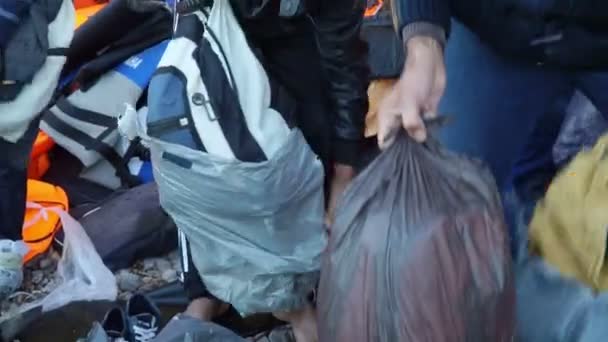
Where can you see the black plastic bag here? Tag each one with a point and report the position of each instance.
(128, 226)
(418, 252)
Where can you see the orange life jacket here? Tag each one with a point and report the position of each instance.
(84, 13)
(40, 225)
(39, 159)
(373, 7)
(78, 4)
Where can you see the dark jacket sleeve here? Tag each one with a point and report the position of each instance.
(344, 60)
(11, 13)
(407, 12)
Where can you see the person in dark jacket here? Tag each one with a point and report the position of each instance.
(313, 48)
(12, 12)
(29, 32)
(498, 67)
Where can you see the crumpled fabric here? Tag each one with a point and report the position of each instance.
(418, 253)
(569, 226)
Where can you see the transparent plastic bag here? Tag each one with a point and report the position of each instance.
(418, 253)
(81, 274)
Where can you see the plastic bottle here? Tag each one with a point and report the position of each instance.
(11, 271)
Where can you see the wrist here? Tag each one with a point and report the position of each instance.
(423, 44)
(421, 48)
(423, 32)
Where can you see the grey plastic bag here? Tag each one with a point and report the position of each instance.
(255, 229)
(553, 308)
(583, 125)
(418, 253)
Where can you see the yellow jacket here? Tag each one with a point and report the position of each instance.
(569, 228)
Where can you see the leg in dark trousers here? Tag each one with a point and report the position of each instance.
(203, 305)
(14, 160)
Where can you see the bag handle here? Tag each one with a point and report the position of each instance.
(42, 214)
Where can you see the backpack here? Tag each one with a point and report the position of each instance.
(232, 171)
(194, 93)
(85, 122)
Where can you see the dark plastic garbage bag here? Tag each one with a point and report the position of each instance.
(418, 252)
(129, 226)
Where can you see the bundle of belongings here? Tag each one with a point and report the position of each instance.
(216, 124)
(108, 67)
(78, 82)
(564, 283)
(418, 252)
(107, 178)
(79, 149)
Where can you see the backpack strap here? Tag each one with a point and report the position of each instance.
(96, 144)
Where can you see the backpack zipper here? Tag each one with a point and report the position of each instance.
(166, 125)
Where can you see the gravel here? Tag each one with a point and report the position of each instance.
(145, 275)
(128, 281)
(280, 334)
(39, 279)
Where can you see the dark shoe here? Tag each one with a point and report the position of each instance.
(116, 326)
(144, 318)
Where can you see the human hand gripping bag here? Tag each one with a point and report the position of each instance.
(418, 252)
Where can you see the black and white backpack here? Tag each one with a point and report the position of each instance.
(211, 92)
(233, 172)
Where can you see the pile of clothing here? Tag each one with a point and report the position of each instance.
(73, 84)
(564, 278)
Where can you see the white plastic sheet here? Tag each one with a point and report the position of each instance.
(82, 275)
